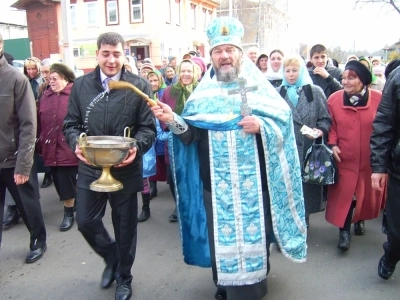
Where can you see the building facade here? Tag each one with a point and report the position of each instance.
(151, 28)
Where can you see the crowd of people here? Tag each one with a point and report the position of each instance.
(226, 137)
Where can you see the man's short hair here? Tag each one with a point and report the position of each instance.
(318, 48)
(110, 38)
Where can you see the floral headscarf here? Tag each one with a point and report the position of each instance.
(161, 83)
(180, 91)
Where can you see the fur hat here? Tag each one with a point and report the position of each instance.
(361, 70)
(225, 31)
(63, 70)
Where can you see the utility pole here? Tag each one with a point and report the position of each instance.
(68, 55)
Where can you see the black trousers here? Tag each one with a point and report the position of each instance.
(245, 292)
(392, 246)
(26, 197)
(90, 210)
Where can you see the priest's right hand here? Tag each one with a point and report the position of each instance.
(163, 112)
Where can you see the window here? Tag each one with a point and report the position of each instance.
(72, 11)
(112, 12)
(168, 14)
(136, 11)
(178, 12)
(76, 52)
(193, 15)
(207, 14)
(91, 13)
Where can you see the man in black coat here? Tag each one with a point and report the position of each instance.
(96, 110)
(385, 163)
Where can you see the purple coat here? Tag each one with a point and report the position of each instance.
(51, 142)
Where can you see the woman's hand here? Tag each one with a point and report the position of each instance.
(163, 112)
(378, 181)
(336, 152)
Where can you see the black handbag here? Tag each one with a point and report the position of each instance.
(319, 165)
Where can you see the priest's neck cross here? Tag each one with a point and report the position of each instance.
(242, 90)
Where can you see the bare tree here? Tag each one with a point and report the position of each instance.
(395, 4)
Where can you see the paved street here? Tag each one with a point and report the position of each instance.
(71, 270)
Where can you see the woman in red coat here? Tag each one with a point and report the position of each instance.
(56, 152)
(353, 111)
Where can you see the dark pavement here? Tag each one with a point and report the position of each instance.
(71, 270)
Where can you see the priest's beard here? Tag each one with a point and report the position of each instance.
(230, 74)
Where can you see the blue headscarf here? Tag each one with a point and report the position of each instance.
(303, 79)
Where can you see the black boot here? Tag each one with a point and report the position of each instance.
(153, 189)
(68, 219)
(359, 228)
(47, 180)
(344, 240)
(145, 208)
(174, 216)
(11, 217)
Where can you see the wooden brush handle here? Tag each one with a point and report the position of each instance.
(118, 85)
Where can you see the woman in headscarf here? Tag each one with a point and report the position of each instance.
(352, 110)
(154, 168)
(274, 72)
(169, 75)
(175, 96)
(56, 152)
(308, 104)
(262, 63)
(377, 83)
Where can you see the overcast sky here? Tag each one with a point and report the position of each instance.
(337, 23)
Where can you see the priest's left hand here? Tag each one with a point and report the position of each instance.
(250, 124)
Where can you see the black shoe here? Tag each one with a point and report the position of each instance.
(11, 217)
(145, 214)
(47, 180)
(359, 228)
(69, 219)
(123, 292)
(344, 240)
(108, 276)
(220, 294)
(35, 255)
(173, 217)
(385, 269)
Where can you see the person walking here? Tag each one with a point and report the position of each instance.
(17, 142)
(96, 110)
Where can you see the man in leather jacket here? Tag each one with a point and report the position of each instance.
(385, 163)
(96, 110)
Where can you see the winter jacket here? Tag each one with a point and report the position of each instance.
(97, 112)
(385, 139)
(331, 84)
(17, 120)
(51, 114)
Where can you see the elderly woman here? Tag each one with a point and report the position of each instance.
(353, 110)
(169, 75)
(274, 72)
(308, 104)
(51, 143)
(262, 63)
(175, 96)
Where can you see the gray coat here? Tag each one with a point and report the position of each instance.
(314, 114)
(17, 120)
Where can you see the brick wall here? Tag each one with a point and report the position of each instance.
(43, 29)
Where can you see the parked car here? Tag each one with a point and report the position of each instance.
(19, 64)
